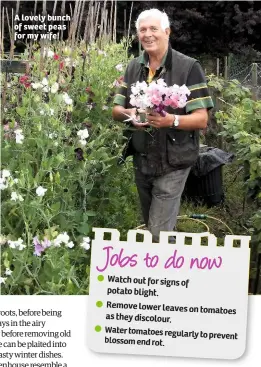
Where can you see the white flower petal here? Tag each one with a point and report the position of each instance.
(8, 271)
(6, 173)
(70, 244)
(54, 87)
(2, 280)
(40, 191)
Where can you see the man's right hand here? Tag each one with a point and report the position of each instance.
(120, 113)
(136, 122)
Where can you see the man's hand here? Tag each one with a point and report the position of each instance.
(195, 120)
(156, 120)
(135, 119)
(119, 113)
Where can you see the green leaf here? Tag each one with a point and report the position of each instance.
(90, 213)
(21, 111)
(56, 206)
(84, 228)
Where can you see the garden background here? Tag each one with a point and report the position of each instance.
(60, 147)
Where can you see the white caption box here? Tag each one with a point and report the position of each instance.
(168, 299)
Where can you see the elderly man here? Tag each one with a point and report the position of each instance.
(163, 157)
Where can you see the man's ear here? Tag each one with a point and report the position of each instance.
(167, 31)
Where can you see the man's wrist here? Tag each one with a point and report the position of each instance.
(176, 121)
(172, 120)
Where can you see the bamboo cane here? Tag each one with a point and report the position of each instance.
(129, 27)
(1, 33)
(63, 13)
(78, 37)
(115, 21)
(86, 25)
(98, 10)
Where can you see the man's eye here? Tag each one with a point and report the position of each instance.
(154, 29)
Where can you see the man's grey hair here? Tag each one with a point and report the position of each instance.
(154, 13)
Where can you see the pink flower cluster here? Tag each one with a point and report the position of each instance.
(157, 95)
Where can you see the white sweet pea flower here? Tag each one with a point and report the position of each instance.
(86, 243)
(70, 244)
(48, 52)
(56, 144)
(15, 196)
(44, 81)
(67, 61)
(19, 244)
(40, 191)
(105, 108)
(3, 240)
(16, 244)
(51, 112)
(90, 106)
(46, 89)
(6, 173)
(57, 242)
(54, 87)
(12, 244)
(119, 67)
(52, 135)
(36, 85)
(3, 183)
(42, 112)
(61, 238)
(84, 134)
(67, 99)
(64, 237)
(83, 142)
(8, 271)
(70, 62)
(19, 137)
(2, 280)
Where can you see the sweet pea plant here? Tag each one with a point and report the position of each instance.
(157, 96)
(59, 150)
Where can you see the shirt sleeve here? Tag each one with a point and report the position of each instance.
(197, 84)
(121, 94)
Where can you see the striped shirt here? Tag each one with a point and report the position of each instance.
(196, 83)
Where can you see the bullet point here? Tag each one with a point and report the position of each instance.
(98, 328)
(99, 304)
(100, 278)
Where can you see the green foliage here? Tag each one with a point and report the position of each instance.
(59, 138)
(240, 117)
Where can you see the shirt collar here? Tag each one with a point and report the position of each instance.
(144, 59)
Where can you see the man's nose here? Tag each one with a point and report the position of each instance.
(148, 32)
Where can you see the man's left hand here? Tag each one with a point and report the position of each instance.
(156, 120)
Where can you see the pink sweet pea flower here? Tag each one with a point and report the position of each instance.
(40, 247)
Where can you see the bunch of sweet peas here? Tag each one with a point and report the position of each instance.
(157, 95)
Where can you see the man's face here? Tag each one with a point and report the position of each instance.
(152, 36)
